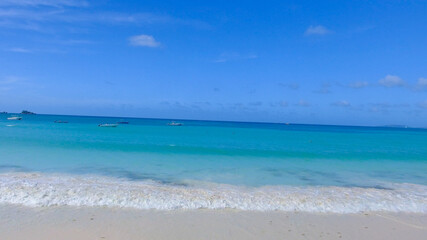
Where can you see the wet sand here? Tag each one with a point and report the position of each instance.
(108, 223)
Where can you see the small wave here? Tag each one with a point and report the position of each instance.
(36, 190)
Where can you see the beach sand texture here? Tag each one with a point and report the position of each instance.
(112, 223)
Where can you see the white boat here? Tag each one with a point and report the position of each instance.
(108, 125)
(14, 118)
(174, 124)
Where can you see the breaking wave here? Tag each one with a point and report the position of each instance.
(43, 190)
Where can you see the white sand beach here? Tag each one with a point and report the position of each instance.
(83, 223)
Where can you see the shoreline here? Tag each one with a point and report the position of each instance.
(64, 222)
(44, 190)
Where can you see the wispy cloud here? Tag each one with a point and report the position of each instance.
(342, 103)
(38, 50)
(279, 104)
(421, 84)
(422, 104)
(117, 18)
(384, 107)
(19, 50)
(317, 30)
(391, 81)
(303, 103)
(233, 56)
(283, 103)
(73, 41)
(29, 14)
(50, 3)
(8, 82)
(293, 86)
(29, 26)
(324, 89)
(358, 84)
(37, 15)
(28, 18)
(255, 104)
(143, 41)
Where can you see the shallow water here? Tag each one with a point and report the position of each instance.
(202, 155)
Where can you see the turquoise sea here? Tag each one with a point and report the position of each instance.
(147, 164)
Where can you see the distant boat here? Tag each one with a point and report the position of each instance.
(14, 118)
(123, 122)
(108, 125)
(27, 112)
(59, 121)
(175, 124)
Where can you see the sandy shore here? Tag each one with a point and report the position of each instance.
(104, 223)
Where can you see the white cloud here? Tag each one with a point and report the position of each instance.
(422, 83)
(391, 81)
(342, 103)
(144, 41)
(358, 84)
(317, 30)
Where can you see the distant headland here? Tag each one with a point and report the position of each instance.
(27, 112)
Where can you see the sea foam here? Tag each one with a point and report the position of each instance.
(43, 190)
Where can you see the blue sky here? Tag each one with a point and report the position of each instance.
(326, 62)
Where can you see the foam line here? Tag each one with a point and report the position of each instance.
(35, 189)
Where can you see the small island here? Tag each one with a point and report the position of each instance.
(27, 112)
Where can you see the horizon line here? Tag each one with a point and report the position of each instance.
(395, 126)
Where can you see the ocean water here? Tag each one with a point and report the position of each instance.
(147, 164)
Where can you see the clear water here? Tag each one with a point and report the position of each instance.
(203, 154)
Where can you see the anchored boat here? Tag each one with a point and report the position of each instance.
(59, 121)
(174, 124)
(14, 118)
(108, 125)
